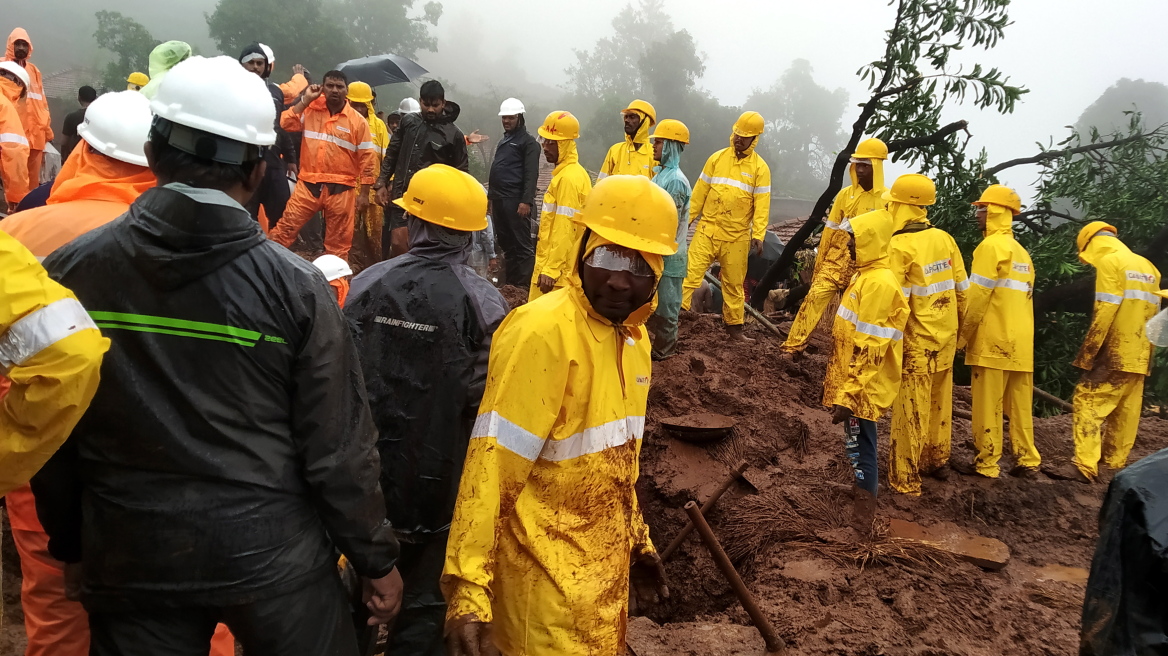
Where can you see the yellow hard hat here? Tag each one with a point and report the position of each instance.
(671, 128)
(871, 149)
(912, 189)
(445, 196)
(631, 211)
(643, 107)
(1000, 195)
(141, 79)
(750, 124)
(360, 92)
(1090, 230)
(560, 126)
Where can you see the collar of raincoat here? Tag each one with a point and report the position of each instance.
(1100, 246)
(11, 90)
(632, 325)
(568, 155)
(642, 135)
(877, 176)
(435, 242)
(999, 220)
(18, 34)
(92, 176)
(904, 214)
(873, 233)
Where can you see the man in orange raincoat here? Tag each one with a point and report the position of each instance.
(34, 111)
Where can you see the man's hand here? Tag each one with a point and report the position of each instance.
(11, 208)
(840, 414)
(382, 196)
(312, 93)
(293, 170)
(467, 636)
(383, 597)
(546, 283)
(73, 576)
(475, 137)
(647, 579)
(362, 198)
(756, 246)
(524, 210)
(297, 69)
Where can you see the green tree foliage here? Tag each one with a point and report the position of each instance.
(612, 68)
(385, 26)
(130, 42)
(298, 31)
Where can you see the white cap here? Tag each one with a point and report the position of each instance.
(217, 95)
(409, 106)
(268, 53)
(332, 267)
(511, 107)
(17, 70)
(118, 125)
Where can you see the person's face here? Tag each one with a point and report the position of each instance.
(981, 215)
(852, 246)
(658, 146)
(633, 121)
(21, 49)
(509, 122)
(615, 294)
(551, 151)
(360, 107)
(257, 66)
(392, 122)
(742, 144)
(864, 175)
(432, 108)
(335, 90)
(133, 87)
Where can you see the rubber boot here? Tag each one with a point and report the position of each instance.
(737, 335)
(863, 510)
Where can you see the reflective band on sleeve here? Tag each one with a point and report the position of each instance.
(762, 190)
(935, 288)
(367, 145)
(566, 212)
(41, 329)
(982, 281)
(12, 137)
(35, 96)
(832, 225)
(1141, 295)
(963, 285)
(600, 176)
(531, 447)
(868, 328)
(510, 436)
(1016, 285)
(336, 141)
(737, 184)
(1108, 298)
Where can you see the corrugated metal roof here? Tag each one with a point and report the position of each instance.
(64, 84)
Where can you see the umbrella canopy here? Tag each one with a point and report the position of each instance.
(382, 69)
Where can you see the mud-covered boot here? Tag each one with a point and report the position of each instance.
(737, 333)
(863, 510)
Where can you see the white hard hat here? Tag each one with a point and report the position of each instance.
(332, 267)
(217, 95)
(409, 106)
(511, 107)
(268, 53)
(17, 70)
(118, 125)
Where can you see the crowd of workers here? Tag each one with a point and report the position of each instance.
(259, 416)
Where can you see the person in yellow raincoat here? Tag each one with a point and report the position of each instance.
(634, 155)
(929, 267)
(369, 221)
(1116, 355)
(733, 200)
(998, 337)
(863, 375)
(547, 520)
(559, 234)
(833, 265)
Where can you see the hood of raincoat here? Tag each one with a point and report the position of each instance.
(568, 155)
(1101, 246)
(749, 151)
(873, 233)
(999, 220)
(670, 156)
(17, 34)
(637, 317)
(877, 173)
(11, 90)
(163, 58)
(642, 135)
(172, 238)
(88, 175)
(449, 113)
(903, 215)
(436, 242)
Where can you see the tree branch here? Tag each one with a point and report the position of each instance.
(1040, 212)
(929, 139)
(1048, 155)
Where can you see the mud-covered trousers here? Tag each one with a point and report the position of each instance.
(417, 630)
(663, 323)
(311, 620)
(860, 447)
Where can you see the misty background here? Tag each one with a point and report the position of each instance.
(796, 63)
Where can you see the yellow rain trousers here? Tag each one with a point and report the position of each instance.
(633, 156)
(733, 200)
(559, 235)
(931, 272)
(1116, 355)
(833, 263)
(864, 372)
(547, 517)
(50, 353)
(998, 337)
(369, 222)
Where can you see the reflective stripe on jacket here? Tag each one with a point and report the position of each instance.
(14, 145)
(336, 148)
(733, 195)
(34, 111)
(559, 235)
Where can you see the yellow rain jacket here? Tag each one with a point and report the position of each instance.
(50, 354)
(1125, 298)
(547, 518)
(732, 196)
(868, 333)
(998, 329)
(559, 235)
(633, 156)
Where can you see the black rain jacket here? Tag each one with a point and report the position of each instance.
(229, 447)
(515, 168)
(419, 143)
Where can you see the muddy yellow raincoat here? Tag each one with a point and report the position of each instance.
(998, 337)
(50, 354)
(633, 156)
(733, 200)
(559, 235)
(1116, 354)
(547, 518)
(864, 372)
(931, 272)
(833, 263)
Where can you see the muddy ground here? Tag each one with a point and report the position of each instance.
(826, 590)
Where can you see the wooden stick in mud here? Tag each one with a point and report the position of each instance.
(709, 503)
(750, 308)
(1054, 400)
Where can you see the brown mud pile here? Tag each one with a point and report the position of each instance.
(825, 591)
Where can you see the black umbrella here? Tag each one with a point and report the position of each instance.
(382, 69)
